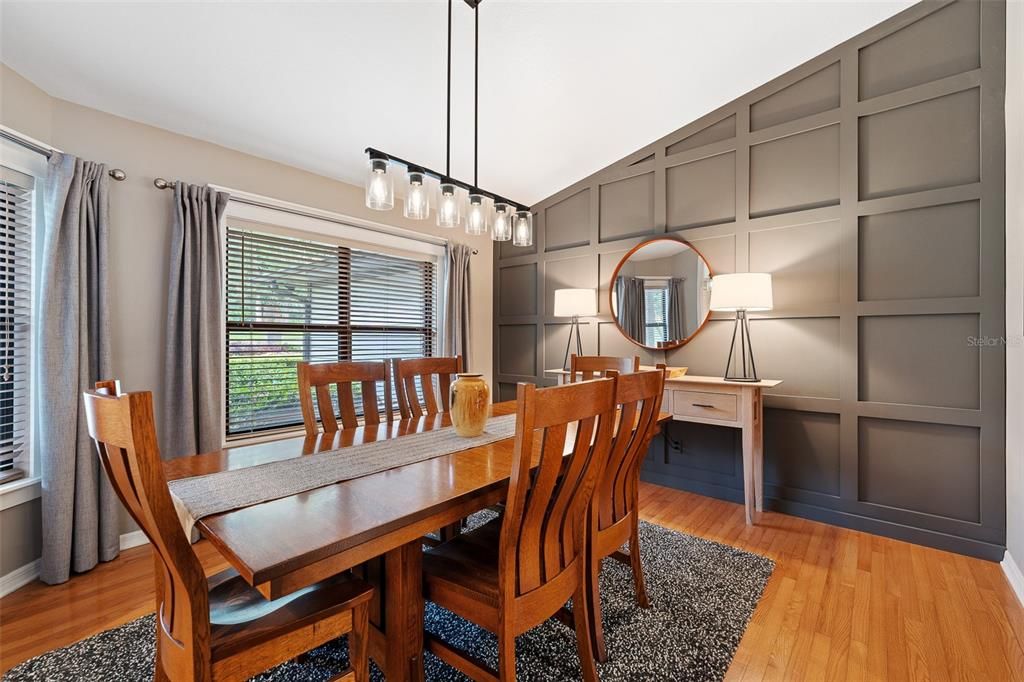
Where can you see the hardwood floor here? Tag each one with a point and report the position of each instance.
(841, 605)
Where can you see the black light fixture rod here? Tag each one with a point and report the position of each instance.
(443, 177)
(448, 134)
(476, 90)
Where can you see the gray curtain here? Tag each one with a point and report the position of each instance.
(79, 507)
(456, 304)
(193, 407)
(631, 314)
(676, 308)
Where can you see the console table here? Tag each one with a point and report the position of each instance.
(713, 400)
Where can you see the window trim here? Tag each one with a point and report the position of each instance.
(34, 164)
(295, 220)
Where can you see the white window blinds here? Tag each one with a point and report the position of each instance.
(16, 193)
(291, 300)
(656, 314)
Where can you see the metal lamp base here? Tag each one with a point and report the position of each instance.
(574, 328)
(744, 369)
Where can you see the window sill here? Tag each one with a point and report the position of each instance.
(19, 492)
(267, 437)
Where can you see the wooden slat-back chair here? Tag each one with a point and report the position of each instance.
(587, 367)
(515, 572)
(614, 517)
(216, 629)
(435, 398)
(319, 377)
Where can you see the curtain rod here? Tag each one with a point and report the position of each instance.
(29, 143)
(161, 183)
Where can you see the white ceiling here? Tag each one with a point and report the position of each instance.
(565, 88)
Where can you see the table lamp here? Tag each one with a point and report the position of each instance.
(741, 293)
(574, 303)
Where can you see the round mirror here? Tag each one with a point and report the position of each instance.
(660, 293)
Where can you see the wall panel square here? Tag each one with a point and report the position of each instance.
(556, 336)
(920, 360)
(944, 43)
(707, 352)
(517, 349)
(719, 251)
(627, 208)
(506, 391)
(703, 447)
(811, 95)
(931, 252)
(804, 352)
(928, 468)
(567, 223)
(568, 273)
(517, 290)
(803, 260)
(716, 132)
(923, 146)
(701, 192)
(802, 450)
(795, 173)
(607, 262)
(611, 341)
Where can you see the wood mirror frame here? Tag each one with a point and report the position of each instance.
(612, 308)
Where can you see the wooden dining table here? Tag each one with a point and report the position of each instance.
(375, 522)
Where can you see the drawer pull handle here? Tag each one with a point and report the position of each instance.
(710, 407)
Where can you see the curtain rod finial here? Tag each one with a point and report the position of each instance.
(160, 183)
(118, 174)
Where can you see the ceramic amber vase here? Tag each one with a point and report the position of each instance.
(470, 398)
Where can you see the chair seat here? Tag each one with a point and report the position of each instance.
(467, 564)
(241, 618)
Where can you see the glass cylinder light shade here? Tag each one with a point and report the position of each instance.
(417, 197)
(448, 206)
(477, 217)
(502, 222)
(380, 186)
(522, 229)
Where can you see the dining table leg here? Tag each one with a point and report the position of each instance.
(403, 613)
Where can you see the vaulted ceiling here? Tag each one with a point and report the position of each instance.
(565, 87)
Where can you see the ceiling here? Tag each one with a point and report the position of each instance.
(565, 87)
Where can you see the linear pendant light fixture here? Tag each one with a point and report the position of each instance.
(506, 220)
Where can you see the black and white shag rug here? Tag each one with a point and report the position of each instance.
(702, 595)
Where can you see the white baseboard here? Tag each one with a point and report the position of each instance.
(133, 539)
(1014, 576)
(19, 577)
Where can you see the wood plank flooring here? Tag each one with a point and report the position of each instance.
(841, 605)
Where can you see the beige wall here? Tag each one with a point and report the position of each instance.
(1015, 281)
(141, 215)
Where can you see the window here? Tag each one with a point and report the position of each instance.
(655, 313)
(16, 222)
(291, 299)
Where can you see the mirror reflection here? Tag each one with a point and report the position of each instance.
(660, 293)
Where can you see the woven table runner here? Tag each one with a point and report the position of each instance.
(200, 496)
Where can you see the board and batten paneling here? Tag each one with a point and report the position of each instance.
(870, 182)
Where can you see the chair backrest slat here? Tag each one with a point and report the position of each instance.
(543, 529)
(587, 367)
(639, 397)
(436, 397)
(344, 376)
(124, 431)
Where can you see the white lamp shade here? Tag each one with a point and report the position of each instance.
(570, 302)
(741, 291)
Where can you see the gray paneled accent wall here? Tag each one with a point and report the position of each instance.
(870, 182)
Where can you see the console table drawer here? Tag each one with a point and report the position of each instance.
(706, 405)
